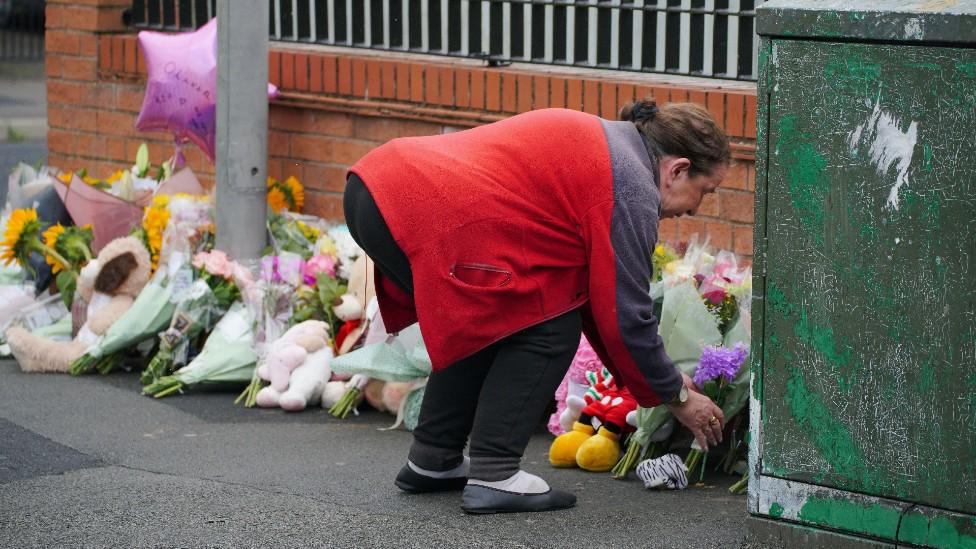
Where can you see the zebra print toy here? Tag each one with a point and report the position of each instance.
(667, 471)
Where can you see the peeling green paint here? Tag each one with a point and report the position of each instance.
(776, 510)
(830, 437)
(875, 520)
(968, 69)
(944, 534)
(805, 173)
(926, 377)
(851, 74)
(925, 66)
(757, 377)
(875, 295)
(819, 338)
(914, 528)
(822, 339)
(777, 299)
(927, 157)
(940, 531)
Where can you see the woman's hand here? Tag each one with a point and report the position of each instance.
(700, 415)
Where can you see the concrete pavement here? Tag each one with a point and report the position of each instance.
(89, 462)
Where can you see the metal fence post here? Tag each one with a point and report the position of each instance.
(242, 126)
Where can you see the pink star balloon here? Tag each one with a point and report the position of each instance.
(181, 88)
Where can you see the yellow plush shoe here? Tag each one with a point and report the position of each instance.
(600, 452)
(562, 453)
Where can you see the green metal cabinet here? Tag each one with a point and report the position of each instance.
(864, 338)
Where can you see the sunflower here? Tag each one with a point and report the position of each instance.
(65, 177)
(71, 243)
(294, 188)
(277, 199)
(286, 195)
(51, 236)
(154, 223)
(23, 237)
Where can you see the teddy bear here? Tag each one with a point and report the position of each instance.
(602, 415)
(109, 284)
(351, 307)
(297, 367)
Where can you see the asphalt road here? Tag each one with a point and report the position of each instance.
(88, 462)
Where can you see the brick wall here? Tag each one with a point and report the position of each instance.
(336, 104)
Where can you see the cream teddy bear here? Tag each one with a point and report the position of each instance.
(297, 367)
(109, 284)
(351, 306)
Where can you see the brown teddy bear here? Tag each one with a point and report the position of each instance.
(109, 284)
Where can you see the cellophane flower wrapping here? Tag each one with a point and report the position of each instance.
(705, 301)
(228, 357)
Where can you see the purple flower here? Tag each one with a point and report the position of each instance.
(718, 362)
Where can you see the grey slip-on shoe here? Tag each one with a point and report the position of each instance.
(411, 481)
(482, 500)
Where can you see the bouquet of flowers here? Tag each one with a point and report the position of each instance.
(717, 372)
(294, 233)
(704, 305)
(270, 302)
(218, 285)
(402, 357)
(153, 309)
(66, 249)
(228, 357)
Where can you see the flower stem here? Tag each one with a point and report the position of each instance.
(627, 462)
(82, 365)
(79, 246)
(346, 403)
(741, 486)
(43, 249)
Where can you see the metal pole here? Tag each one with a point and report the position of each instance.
(242, 126)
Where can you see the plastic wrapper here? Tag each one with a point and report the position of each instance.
(228, 357)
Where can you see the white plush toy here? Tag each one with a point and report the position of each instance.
(297, 367)
(352, 305)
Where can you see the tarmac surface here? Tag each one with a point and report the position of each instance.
(89, 462)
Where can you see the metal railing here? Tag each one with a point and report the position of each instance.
(711, 38)
(21, 30)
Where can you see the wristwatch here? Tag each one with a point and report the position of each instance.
(681, 397)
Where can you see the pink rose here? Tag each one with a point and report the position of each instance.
(318, 264)
(215, 263)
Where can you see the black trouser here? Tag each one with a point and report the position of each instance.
(497, 395)
(369, 230)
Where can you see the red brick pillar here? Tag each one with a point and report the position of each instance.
(74, 93)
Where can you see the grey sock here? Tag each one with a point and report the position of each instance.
(494, 469)
(457, 472)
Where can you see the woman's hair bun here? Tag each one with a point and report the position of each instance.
(639, 111)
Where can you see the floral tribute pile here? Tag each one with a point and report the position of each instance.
(203, 319)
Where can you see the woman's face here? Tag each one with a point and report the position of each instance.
(682, 194)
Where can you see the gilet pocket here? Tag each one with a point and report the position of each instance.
(481, 275)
